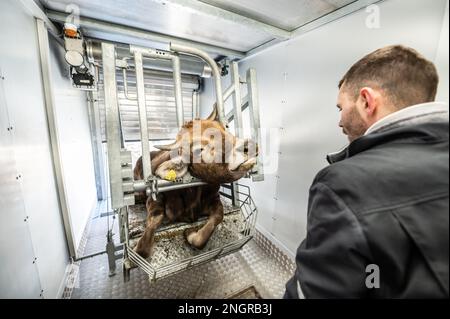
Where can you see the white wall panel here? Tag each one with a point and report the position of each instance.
(19, 62)
(19, 277)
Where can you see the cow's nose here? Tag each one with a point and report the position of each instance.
(250, 146)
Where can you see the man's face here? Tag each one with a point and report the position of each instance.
(351, 121)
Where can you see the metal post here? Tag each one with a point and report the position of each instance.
(195, 105)
(228, 92)
(238, 125)
(112, 125)
(140, 88)
(216, 73)
(253, 103)
(237, 100)
(177, 90)
(44, 55)
(110, 250)
(94, 120)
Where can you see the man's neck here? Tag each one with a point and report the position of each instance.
(412, 111)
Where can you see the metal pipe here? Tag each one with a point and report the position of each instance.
(195, 105)
(163, 185)
(189, 64)
(179, 186)
(228, 92)
(255, 120)
(215, 70)
(125, 86)
(44, 56)
(237, 100)
(244, 105)
(177, 89)
(147, 169)
(90, 255)
(139, 34)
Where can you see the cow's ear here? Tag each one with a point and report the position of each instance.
(214, 114)
(172, 170)
(169, 147)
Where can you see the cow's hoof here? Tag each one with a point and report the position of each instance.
(189, 234)
(193, 239)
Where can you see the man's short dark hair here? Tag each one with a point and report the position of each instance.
(406, 77)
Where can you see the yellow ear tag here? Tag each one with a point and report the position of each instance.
(171, 175)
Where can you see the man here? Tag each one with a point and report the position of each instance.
(378, 216)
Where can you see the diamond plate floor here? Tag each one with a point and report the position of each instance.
(221, 278)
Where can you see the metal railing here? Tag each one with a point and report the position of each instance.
(248, 211)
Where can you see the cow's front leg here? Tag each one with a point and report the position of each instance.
(198, 239)
(155, 210)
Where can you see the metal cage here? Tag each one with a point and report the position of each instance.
(122, 185)
(247, 210)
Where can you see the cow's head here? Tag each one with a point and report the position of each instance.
(209, 152)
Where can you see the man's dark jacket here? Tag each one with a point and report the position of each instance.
(385, 201)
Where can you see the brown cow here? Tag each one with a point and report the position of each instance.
(207, 151)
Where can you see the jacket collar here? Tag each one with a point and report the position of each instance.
(400, 122)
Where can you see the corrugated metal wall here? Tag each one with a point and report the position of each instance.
(160, 102)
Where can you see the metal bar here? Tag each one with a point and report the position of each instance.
(164, 185)
(112, 125)
(238, 125)
(90, 255)
(99, 147)
(219, 13)
(230, 115)
(139, 34)
(228, 92)
(215, 70)
(152, 53)
(237, 99)
(44, 55)
(255, 120)
(125, 86)
(195, 105)
(147, 169)
(177, 89)
(179, 186)
(111, 254)
(94, 126)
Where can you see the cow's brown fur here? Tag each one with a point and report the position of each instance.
(183, 205)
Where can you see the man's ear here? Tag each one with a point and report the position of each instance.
(370, 99)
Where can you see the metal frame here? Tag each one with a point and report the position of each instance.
(94, 121)
(249, 213)
(250, 101)
(44, 56)
(119, 160)
(215, 72)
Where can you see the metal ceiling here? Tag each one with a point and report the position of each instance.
(285, 14)
(224, 27)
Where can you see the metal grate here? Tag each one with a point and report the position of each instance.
(160, 103)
